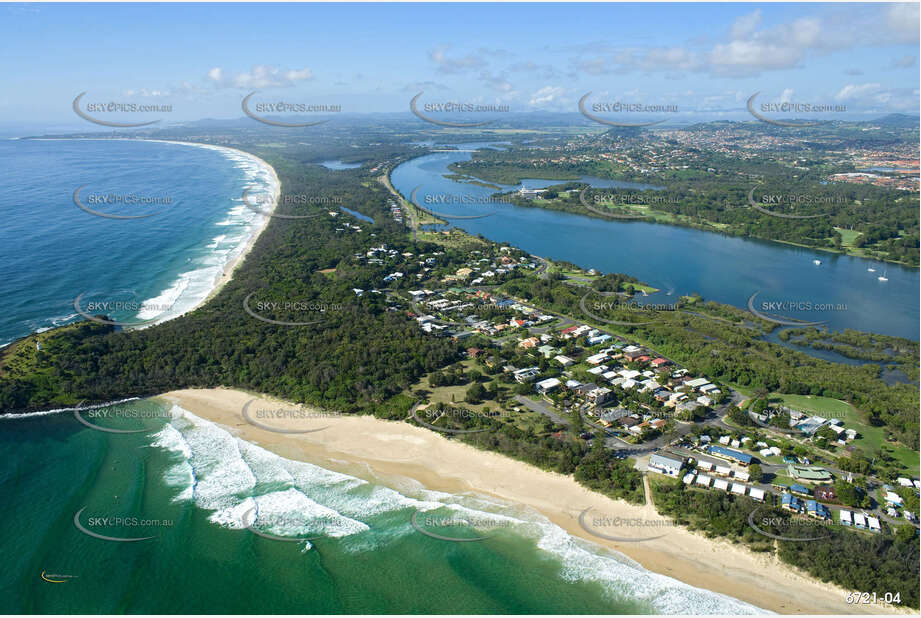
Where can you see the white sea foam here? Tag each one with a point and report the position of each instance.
(216, 241)
(298, 499)
(171, 439)
(12, 417)
(239, 226)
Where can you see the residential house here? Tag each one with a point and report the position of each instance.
(790, 502)
(564, 360)
(598, 339)
(599, 396)
(526, 375)
(547, 386)
(664, 464)
(817, 510)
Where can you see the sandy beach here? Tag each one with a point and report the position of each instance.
(227, 270)
(388, 452)
(231, 265)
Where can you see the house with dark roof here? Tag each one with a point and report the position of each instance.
(817, 510)
(790, 502)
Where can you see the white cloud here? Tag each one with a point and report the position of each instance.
(260, 76)
(145, 92)
(547, 95)
(902, 21)
(415, 87)
(854, 91)
(750, 49)
(874, 97)
(745, 25)
(498, 83)
(455, 65)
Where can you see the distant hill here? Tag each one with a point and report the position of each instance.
(898, 120)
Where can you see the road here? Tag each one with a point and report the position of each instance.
(542, 408)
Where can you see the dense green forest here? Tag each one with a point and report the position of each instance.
(856, 344)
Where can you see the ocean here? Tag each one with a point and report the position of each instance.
(143, 270)
(229, 527)
(181, 516)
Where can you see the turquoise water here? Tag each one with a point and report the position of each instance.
(681, 261)
(53, 251)
(197, 485)
(357, 214)
(337, 165)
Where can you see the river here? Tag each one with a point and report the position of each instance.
(840, 290)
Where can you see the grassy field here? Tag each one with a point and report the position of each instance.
(454, 395)
(454, 239)
(782, 479)
(21, 356)
(581, 277)
(847, 236)
(871, 438)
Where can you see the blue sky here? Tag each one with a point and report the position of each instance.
(705, 58)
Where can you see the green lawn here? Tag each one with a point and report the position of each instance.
(871, 438)
(782, 479)
(847, 236)
(823, 406)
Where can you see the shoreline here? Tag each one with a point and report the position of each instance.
(241, 250)
(227, 269)
(711, 228)
(393, 453)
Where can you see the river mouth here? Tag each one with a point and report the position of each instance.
(676, 260)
